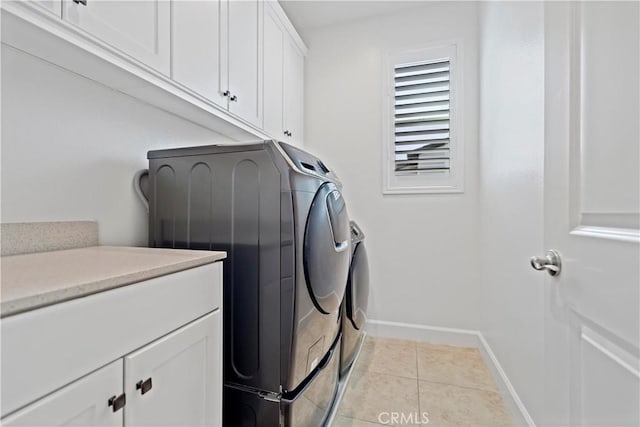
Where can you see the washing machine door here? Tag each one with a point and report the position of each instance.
(327, 248)
(358, 288)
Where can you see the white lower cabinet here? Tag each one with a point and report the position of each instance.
(81, 403)
(146, 354)
(174, 381)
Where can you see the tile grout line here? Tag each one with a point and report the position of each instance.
(495, 391)
(417, 347)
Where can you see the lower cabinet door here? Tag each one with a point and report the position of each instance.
(177, 380)
(85, 402)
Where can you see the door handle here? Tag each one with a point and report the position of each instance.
(551, 263)
(342, 246)
(144, 386)
(117, 402)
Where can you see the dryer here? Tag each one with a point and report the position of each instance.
(354, 317)
(279, 214)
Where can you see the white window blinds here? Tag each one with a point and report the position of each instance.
(422, 117)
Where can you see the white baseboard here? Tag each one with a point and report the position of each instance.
(462, 338)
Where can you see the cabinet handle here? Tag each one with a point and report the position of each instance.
(82, 2)
(233, 98)
(226, 93)
(287, 133)
(144, 386)
(118, 402)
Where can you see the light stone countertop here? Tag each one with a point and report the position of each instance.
(36, 280)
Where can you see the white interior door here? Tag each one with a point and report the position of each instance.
(592, 214)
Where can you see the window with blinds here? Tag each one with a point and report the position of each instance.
(421, 118)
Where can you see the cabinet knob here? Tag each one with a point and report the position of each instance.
(82, 2)
(233, 98)
(287, 133)
(117, 402)
(226, 93)
(144, 386)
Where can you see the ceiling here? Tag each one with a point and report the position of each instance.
(308, 15)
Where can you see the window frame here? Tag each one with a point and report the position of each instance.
(453, 181)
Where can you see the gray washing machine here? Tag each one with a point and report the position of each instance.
(279, 214)
(354, 316)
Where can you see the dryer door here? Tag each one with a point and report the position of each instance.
(327, 248)
(358, 288)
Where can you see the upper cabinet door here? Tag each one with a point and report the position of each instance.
(197, 41)
(245, 59)
(53, 6)
(293, 93)
(140, 29)
(177, 380)
(274, 36)
(84, 402)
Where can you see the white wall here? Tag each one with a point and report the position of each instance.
(422, 248)
(70, 148)
(511, 190)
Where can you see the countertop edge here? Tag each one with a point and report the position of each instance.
(34, 302)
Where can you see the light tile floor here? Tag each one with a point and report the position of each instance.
(430, 385)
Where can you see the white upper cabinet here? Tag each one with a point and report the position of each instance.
(82, 403)
(53, 6)
(245, 59)
(234, 66)
(293, 93)
(140, 29)
(197, 48)
(274, 39)
(283, 69)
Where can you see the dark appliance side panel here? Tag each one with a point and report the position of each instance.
(230, 202)
(247, 409)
